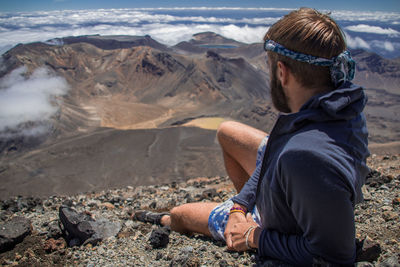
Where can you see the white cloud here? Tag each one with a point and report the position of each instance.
(365, 16)
(42, 26)
(356, 42)
(385, 45)
(244, 34)
(29, 100)
(170, 27)
(388, 46)
(372, 29)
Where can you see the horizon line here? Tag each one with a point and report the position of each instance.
(205, 8)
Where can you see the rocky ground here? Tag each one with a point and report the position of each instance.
(122, 241)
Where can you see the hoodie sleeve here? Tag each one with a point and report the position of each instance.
(320, 198)
(247, 196)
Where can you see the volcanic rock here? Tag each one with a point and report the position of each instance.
(80, 228)
(54, 245)
(13, 232)
(368, 250)
(159, 237)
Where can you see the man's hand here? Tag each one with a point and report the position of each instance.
(234, 218)
(240, 231)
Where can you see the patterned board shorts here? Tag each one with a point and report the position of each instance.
(219, 215)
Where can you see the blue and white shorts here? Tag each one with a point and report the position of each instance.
(219, 215)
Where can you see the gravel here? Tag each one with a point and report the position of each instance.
(377, 218)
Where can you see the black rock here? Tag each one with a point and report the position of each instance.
(80, 228)
(75, 225)
(9, 205)
(368, 250)
(54, 230)
(173, 184)
(153, 205)
(68, 203)
(223, 263)
(209, 193)
(376, 179)
(13, 232)
(159, 256)
(4, 215)
(159, 238)
(29, 203)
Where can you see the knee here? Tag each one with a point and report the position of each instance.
(176, 215)
(177, 221)
(225, 130)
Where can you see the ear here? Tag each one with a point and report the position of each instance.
(283, 73)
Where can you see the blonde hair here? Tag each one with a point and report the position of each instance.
(309, 32)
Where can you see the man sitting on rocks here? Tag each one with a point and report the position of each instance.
(297, 185)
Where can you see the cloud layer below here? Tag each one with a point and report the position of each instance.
(173, 25)
(29, 100)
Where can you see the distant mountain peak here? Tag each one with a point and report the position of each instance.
(109, 42)
(212, 38)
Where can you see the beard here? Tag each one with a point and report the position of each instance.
(279, 99)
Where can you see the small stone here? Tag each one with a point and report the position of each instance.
(53, 245)
(209, 194)
(389, 215)
(203, 248)
(218, 255)
(384, 187)
(153, 205)
(187, 250)
(366, 194)
(396, 201)
(159, 256)
(159, 238)
(193, 262)
(17, 256)
(108, 205)
(386, 208)
(223, 263)
(54, 230)
(390, 262)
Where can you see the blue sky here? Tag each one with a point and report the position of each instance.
(44, 5)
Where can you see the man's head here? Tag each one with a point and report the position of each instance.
(310, 32)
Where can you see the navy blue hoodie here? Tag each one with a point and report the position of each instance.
(310, 180)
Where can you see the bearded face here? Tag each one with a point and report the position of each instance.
(279, 99)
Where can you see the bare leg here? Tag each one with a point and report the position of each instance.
(239, 143)
(190, 218)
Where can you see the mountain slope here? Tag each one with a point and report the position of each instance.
(124, 119)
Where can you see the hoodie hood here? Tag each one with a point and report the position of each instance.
(343, 103)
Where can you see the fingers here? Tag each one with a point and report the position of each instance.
(228, 238)
(234, 219)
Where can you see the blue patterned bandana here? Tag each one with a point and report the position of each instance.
(342, 67)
